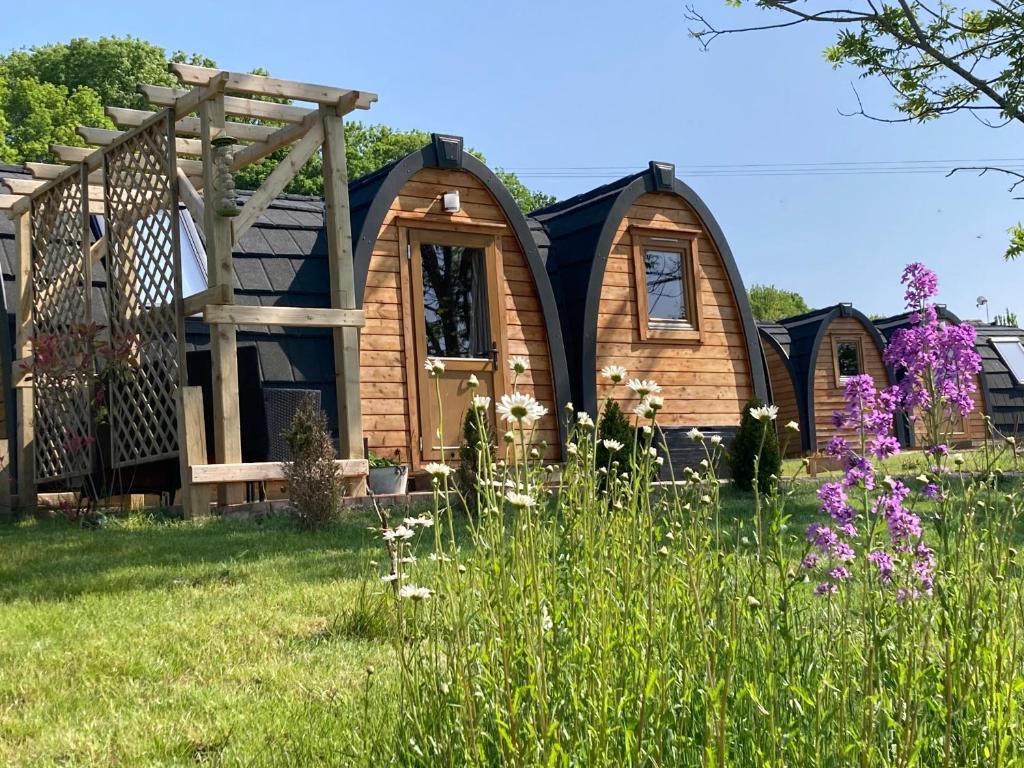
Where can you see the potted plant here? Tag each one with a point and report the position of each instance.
(387, 476)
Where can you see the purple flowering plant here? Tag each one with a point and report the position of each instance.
(873, 521)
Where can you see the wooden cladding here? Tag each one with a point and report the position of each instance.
(705, 371)
(389, 371)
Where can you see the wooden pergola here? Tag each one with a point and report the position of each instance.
(203, 151)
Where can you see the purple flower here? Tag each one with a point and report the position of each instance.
(837, 446)
(810, 561)
(884, 446)
(939, 450)
(884, 561)
(922, 284)
(825, 589)
(932, 491)
(839, 573)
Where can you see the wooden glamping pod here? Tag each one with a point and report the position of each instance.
(783, 390)
(971, 430)
(823, 349)
(1002, 376)
(445, 267)
(645, 279)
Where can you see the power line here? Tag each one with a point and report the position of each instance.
(824, 168)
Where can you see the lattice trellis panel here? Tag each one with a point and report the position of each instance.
(62, 358)
(143, 268)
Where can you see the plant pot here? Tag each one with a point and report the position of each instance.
(387, 481)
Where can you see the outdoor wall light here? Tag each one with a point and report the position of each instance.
(450, 201)
(224, 202)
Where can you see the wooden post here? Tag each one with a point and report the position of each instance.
(192, 441)
(343, 295)
(27, 498)
(227, 438)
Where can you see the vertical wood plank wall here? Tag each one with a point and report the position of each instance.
(384, 388)
(828, 394)
(704, 384)
(783, 396)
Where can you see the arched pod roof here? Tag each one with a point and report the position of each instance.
(806, 333)
(575, 237)
(370, 199)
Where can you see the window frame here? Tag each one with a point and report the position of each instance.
(677, 240)
(858, 344)
(995, 341)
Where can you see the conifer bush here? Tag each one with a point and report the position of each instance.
(314, 486)
(614, 426)
(756, 437)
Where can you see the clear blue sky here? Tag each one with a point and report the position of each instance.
(543, 85)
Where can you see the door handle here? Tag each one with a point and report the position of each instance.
(494, 354)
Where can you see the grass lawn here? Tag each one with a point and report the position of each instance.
(185, 643)
(914, 462)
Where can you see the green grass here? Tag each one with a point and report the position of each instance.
(914, 462)
(185, 643)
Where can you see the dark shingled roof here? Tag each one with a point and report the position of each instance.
(777, 332)
(1005, 401)
(574, 236)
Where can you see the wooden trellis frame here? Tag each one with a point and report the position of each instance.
(305, 130)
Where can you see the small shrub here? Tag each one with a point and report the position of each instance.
(745, 446)
(473, 443)
(314, 486)
(614, 426)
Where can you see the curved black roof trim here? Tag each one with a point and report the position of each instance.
(774, 343)
(587, 225)
(808, 331)
(371, 198)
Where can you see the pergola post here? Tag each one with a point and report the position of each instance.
(27, 497)
(343, 296)
(227, 438)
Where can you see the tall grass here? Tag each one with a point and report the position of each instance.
(604, 621)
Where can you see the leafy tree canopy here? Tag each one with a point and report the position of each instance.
(938, 58)
(48, 91)
(770, 303)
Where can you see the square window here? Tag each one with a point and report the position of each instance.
(666, 286)
(848, 359)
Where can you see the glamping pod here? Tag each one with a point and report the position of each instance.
(446, 268)
(971, 430)
(783, 390)
(645, 279)
(826, 347)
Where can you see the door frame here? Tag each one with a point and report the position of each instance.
(418, 381)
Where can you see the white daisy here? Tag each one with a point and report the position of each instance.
(716, 439)
(657, 402)
(412, 592)
(434, 366)
(472, 382)
(644, 409)
(437, 470)
(612, 445)
(793, 426)
(401, 532)
(571, 449)
(390, 577)
(520, 500)
(695, 434)
(424, 521)
(481, 402)
(765, 413)
(520, 407)
(643, 387)
(614, 373)
(518, 364)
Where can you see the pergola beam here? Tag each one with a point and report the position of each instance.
(237, 107)
(105, 136)
(280, 138)
(258, 85)
(189, 126)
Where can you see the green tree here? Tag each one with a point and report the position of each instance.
(48, 91)
(938, 59)
(770, 303)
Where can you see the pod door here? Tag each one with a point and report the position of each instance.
(457, 318)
